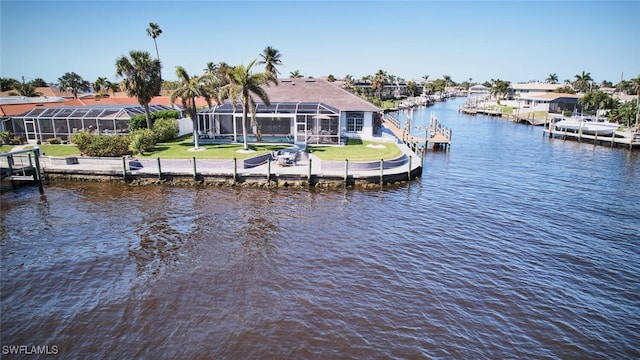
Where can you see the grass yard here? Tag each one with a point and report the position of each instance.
(357, 150)
(179, 149)
(59, 150)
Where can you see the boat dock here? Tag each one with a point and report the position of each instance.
(21, 167)
(436, 135)
(628, 138)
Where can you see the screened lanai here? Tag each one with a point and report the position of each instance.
(43, 123)
(289, 122)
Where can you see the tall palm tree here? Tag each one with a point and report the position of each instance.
(582, 81)
(271, 60)
(211, 68)
(552, 79)
(113, 86)
(141, 78)
(189, 89)
(154, 32)
(446, 79)
(377, 84)
(241, 86)
(348, 82)
(635, 83)
(100, 84)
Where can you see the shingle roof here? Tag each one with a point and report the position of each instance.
(317, 90)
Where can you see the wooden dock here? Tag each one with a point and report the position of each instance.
(27, 171)
(436, 135)
(629, 138)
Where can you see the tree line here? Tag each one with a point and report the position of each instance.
(142, 78)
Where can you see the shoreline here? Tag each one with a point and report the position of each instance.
(253, 172)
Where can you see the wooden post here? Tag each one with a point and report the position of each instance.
(309, 174)
(30, 162)
(195, 171)
(10, 163)
(124, 169)
(37, 160)
(381, 172)
(346, 170)
(159, 170)
(409, 172)
(235, 170)
(268, 171)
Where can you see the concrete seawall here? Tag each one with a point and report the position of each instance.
(257, 171)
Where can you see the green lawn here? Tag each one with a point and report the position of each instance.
(179, 149)
(5, 148)
(357, 150)
(60, 150)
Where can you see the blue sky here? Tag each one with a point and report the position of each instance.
(515, 41)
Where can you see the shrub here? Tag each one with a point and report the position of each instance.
(140, 121)
(82, 140)
(165, 129)
(5, 137)
(16, 140)
(101, 145)
(142, 140)
(54, 141)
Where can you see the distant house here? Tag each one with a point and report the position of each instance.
(478, 90)
(41, 118)
(550, 102)
(301, 110)
(520, 90)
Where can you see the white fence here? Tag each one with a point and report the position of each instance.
(185, 126)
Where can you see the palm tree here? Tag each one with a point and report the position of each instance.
(141, 78)
(635, 83)
(211, 68)
(271, 60)
(295, 74)
(499, 89)
(154, 32)
(113, 86)
(582, 81)
(100, 84)
(188, 90)
(241, 86)
(377, 84)
(73, 83)
(552, 79)
(446, 79)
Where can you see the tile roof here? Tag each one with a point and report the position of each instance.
(317, 90)
(288, 90)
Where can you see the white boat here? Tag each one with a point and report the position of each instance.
(586, 125)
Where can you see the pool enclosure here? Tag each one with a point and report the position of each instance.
(291, 122)
(43, 123)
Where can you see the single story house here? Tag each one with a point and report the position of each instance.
(302, 111)
(42, 123)
(550, 102)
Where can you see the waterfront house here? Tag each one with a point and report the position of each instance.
(520, 90)
(302, 111)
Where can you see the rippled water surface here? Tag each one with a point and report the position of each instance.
(511, 245)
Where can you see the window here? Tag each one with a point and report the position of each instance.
(355, 121)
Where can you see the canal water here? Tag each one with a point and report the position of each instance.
(511, 245)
